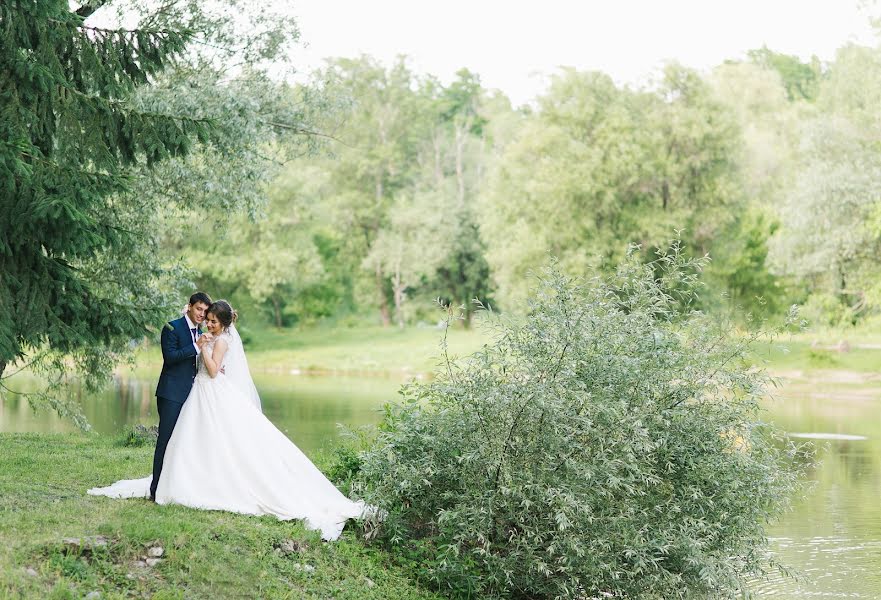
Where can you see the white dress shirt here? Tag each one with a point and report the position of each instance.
(191, 326)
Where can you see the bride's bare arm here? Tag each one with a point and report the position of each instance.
(214, 359)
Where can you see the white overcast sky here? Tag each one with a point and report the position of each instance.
(513, 43)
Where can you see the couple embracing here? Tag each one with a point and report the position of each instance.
(216, 450)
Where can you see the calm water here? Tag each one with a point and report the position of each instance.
(307, 409)
(833, 537)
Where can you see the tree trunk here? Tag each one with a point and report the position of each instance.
(438, 171)
(380, 283)
(460, 167)
(379, 189)
(2, 368)
(468, 313)
(277, 309)
(383, 301)
(480, 154)
(399, 298)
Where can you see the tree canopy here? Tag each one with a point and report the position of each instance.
(113, 141)
(69, 138)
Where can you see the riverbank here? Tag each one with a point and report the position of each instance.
(357, 352)
(57, 542)
(416, 352)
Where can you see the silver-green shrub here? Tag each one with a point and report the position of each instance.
(607, 445)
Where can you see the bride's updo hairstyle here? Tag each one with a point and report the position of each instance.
(224, 313)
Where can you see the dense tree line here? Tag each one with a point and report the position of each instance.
(432, 190)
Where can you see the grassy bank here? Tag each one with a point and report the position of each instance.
(43, 482)
(345, 351)
(817, 353)
(372, 351)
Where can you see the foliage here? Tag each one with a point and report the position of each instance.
(394, 202)
(602, 446)
(829, 235)
(802, 80)
(283, 261)
(224, 75)
(106, 216)
(465, 275)
(598, 164)
(823, 311)
(826, 235)
(740, 268)
(138, 435)
(769, 127)
(70, 139)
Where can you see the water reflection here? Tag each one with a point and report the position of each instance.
(307, 409)
(833, 536)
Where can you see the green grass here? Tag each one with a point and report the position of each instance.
(43, 482)
(812, 352)
(366, 351)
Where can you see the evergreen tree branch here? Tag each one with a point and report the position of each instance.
(303, 131)
(88, 9)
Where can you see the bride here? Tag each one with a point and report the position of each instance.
(225, 455)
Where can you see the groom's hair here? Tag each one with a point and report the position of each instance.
(200, 297)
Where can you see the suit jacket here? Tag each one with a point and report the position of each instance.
(178, 362)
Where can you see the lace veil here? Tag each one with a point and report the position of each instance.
(236, 367)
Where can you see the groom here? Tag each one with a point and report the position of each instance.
(181, 345)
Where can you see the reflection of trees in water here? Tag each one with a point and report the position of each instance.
(835, 528)
(832, 534)
(16, 414)
(146, 398)
(844, 500)
(123, 393)
(308, 410)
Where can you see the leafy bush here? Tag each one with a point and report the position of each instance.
(827, 311)
(819, 358)
(138, 435)
(606, 445)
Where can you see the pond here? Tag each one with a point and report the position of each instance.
(307, 409)
(832, 537)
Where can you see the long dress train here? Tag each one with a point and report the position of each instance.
(224, 454)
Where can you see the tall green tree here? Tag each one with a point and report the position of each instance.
(829, 237)
(374, 163)
(223, 76)
(69, 137)
(411, 247)
(598, 164)
(464, 274)
(282, 261)
(801, 80)
(769, 122)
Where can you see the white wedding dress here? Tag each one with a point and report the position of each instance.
(225, 455)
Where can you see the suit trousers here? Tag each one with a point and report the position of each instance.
(168, 413)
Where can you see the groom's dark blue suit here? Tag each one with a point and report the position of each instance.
(175, 383)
